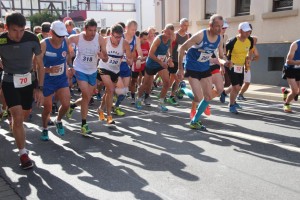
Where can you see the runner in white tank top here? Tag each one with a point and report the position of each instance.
(90, 46)
(116, 48)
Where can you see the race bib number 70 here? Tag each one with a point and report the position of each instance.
(22, 80)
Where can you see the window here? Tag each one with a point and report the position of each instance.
(279, 5)
(242, 7)
(210, 8)
(275, 63)
(183, 9)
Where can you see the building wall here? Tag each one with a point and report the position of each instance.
(275, 30)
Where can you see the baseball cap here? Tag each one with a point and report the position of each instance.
(245, 26)
(59, 28)
(225, 24)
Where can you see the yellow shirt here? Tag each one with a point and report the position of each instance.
(240, 51)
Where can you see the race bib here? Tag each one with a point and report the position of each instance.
(114, 62)
(87, 58)
(22, 80)
(162, 58)
(297, 66)
(238, 69)
(60, 71)
(204, 57)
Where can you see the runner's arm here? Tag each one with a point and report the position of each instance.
(128, 53)
(290, 57)
(103, 53)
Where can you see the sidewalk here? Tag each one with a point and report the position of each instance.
(6, 192)
(266, 92)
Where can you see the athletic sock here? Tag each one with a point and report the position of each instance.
(119, 100)
(201, 107)
(188, 92)
(83, 122)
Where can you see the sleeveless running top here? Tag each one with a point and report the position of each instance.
(86, 55)
(160, 53)
(197, 57)
(115, 55)
(179, 41)
(55, 57)
(296, 57)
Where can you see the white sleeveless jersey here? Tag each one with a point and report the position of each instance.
(86, 54)
(115, 55)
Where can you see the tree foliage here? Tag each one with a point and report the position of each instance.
(44, 16)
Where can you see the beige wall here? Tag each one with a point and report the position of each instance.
(267, 25)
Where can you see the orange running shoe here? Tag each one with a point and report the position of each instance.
(101, 115)
(192, 114)
(207, 111)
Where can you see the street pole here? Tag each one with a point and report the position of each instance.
(67, 8)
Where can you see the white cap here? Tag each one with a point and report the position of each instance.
(245, 26)
(59, 28)
(225, 24)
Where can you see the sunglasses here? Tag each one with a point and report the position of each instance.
(58, 35)
(117, 37)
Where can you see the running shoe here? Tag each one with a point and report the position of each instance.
(26, 162)
(101, 115)
(232, 109)
(197, 125)
(85, 130)
(50, 123)
(180, 93)
(172, 101)
(99, 97)
(162, 108)
(5, 113)
(60, 128)
(110, 120)
(118, 111)
(287, 108)
(222, 98)
(138, 104)
(132, 101)
(54, 108)
(147, 102)
(192, 113)
(284, 92)
(296, 97)
(44, 136)
(241, 97)
(207, 111)
(238, 106)
(69, 113)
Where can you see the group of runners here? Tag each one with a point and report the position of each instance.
(43, 65)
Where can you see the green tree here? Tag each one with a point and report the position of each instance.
(44, 16)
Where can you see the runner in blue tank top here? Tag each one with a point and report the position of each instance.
(125, 70)
(292, 74)
(200, 48)
(55, 54)
(158, 61)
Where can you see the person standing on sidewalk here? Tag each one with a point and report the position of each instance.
(55, 53)
(291, 73)
(17, 47)
(200, 47)
(90, 45)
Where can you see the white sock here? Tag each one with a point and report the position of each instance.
(22, 151)
(162, 100)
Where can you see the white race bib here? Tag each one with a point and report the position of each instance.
(87, 58)
(22, 80)
(297, 66)
(162, 58)
(60, 71)
(114, 62)
(204, 57)
(238, 69)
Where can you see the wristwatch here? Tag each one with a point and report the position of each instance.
(40, 88)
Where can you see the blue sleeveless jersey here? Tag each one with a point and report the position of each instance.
(197, 57)
(160, 53)
(54, 57)
(124, 66)
(296, 57)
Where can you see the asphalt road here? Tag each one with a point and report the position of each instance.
(153, 155)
